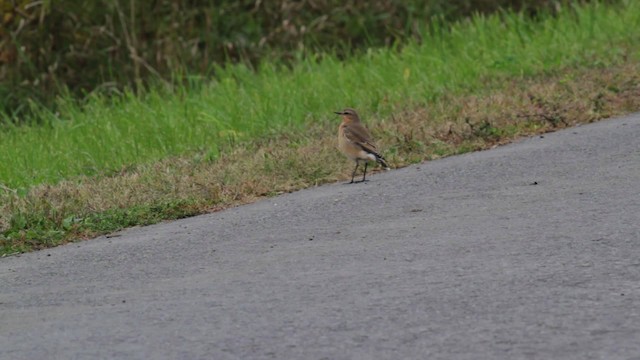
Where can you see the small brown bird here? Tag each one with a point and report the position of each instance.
(355, 142)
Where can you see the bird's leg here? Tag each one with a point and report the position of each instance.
(354, 171)
(365, 172)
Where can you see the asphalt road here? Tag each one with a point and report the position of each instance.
(527, 251)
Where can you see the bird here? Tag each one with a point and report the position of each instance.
(354, 140)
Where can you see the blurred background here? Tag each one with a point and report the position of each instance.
(73, 47)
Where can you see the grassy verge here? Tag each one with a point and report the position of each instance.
(103, 136)
(182, 186)
(252, 135)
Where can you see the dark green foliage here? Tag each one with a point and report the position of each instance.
(47, 47)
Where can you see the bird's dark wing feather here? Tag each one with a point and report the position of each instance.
(359, 135)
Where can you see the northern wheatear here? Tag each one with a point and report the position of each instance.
(355, 142)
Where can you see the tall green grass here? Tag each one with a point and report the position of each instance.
(103, 135)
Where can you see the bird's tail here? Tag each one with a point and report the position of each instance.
(382, 161)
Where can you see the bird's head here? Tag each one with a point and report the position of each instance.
(348, 114)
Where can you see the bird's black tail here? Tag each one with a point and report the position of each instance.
(382, 161)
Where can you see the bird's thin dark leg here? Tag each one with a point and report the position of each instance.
(365, 172)
(354, 171)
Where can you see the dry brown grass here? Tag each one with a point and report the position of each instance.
(450, 125)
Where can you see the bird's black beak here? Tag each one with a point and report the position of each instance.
(339, 112)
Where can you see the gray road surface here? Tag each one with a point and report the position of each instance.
(527, 251)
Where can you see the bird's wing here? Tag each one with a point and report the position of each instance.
(359, 135)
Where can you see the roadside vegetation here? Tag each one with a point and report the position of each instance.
(104, 46)
(108, 162)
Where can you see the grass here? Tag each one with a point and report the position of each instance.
(97, 168)
(101, 137)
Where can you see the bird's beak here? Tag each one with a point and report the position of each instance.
(339, 112)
